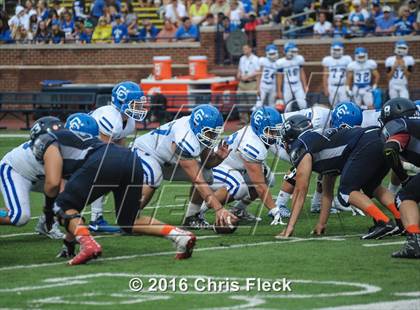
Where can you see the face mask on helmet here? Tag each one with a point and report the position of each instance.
(336, 51)
(272, 55)
(271, 135)
(401, 50)
(361, 57)
(295, 51)
(135, 109)
(210, 136)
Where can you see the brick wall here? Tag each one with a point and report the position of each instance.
(22, 68)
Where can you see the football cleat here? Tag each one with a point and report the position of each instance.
(284, 211)
(53, 233)
(410, 249)
(196, 222)
(184, 244)
(316, 208)
(101, 225)
(243, 215)
(401, 230)
(380, 230)
(89, 249)
(68, 250)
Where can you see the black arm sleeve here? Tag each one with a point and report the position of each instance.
(391, 153)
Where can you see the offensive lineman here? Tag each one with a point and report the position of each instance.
(116, 122)
(334, 77)
(362, 79)
(188, 142)
(291, 82)
(399, 68)
(266, 77)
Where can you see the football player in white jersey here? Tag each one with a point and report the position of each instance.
(116, 121)
(399, 68)
(362, 79)
(184, 150)
(21, 173)
(266, 77)
(291, 82)
(334, 77)
(243, 175)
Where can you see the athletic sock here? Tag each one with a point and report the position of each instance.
(316, 199)
(377, 214)
(204, 208)
(171, 232)
(97, 209)
(193, 209)
(393, 188)
(283, 198)
(81, 231)
(391, 207)
(413, 229)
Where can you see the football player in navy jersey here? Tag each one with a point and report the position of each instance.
(401, 132)
(91, 169)
(356, 154)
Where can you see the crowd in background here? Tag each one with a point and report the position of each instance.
(105, 21)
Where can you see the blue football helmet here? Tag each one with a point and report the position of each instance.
(271, 52)
(360, 54)
(206, 122)
(82, 122)
(266, 124)
(337, 49)
(290, 50)
(417, 102)
(129, 99)
(346, 114)
(401, 48)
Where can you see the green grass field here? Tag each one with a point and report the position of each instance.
(338, 270)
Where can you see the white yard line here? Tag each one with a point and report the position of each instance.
(408, 294)
(215, 248)
(371, 245)
(411, 304)
(18, 235)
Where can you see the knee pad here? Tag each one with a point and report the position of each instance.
(291, 177)
(240, 192)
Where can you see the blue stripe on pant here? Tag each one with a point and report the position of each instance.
(150, 177)
(15, 211)
(224, 176)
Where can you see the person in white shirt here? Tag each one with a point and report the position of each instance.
(399, 68)
(247, 75)
(19, 19)
(266, 78)
(322, 27)
(175, 11)
(334, 77)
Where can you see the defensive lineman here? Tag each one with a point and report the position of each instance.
(399, 68)
(362, 79)
(335, 71)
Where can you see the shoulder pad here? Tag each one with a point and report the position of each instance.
(41, 144)
(298, 151)
(393, 127)
(182, 152)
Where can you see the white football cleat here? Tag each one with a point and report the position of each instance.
(184, 243)
(54, 233)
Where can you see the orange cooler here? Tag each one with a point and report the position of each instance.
(162, 67)
(198, 67)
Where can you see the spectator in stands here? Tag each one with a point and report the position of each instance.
(284, 11)
(175, 11)
(97, 10)
(385, 22)
(86, 35)
(110, 12)
(299, 6)
(187, 32)
(119, 30)
(42, 10)
(236, 14)
(79, 10)
(43, 35)
(209, 21)
(220, 6)
(412, 6)
(357, 19)
(149, 32)
(250, 28)
(19, 34)
(322, 27)
(404, 26)
(57, 7)
(29, 8)
(247, 76)
(130, 19)
(53, 18)
(33, 27)
(5, 34)
(102, 32)
(198, 12)
(19, 19)
(78, 30)
(167, 34)
(67, 24)
(57, 35)
(340, 30)
(376, 10)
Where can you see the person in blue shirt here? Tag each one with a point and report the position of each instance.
(403, 26)
(119, 30)
(5, 34)
(187, 31)
(86, 35)
(357, 19)
(412, 6)
(339, 30)
(57, 36)
(98, 9)
(67, 24)
(385, 22)
(148, 32)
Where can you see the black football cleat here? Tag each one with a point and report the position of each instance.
(380, 230)
(401, 230)
(410, 249)
(195, 222)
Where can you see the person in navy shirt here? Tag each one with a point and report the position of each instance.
(86, 35)
(119, 30)
(403, 26)
(187, 32)
(57, 36)
(148, 32)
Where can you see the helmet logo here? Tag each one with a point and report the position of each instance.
(36, 129)
(198, 116)
(75, 124)
(122, 93)
(387, 110)
(342, 110)
(258, 117)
